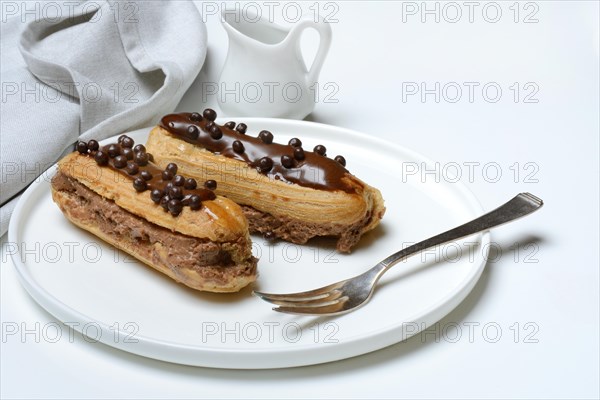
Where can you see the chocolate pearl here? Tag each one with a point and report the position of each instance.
(176, 193)
(120, 162)
(241, 128)
(101, 157)
(238, 146)
(172, 168)
(265, 164)
(190, 184)
(295, 142)
(195, 203)
(178, 180)
(146, 175)
(127, 142)
(93, 145)
(175, 207)
(210, 114)
(215, 132)
(287, 161)
(127, 152)
(341, 160)
(210, 184)
(164, 201)
(193, 132)
(113, 150)
(299, 153)
(139, 148)
(266, 137)
(156, 195)
(139, 184)
(196, 117)
(120, 139)
(166, 176)
(229, 125)
(209, 125)
(320, 149)
(82, 147)
(168, 186)
(133, 168)
(141, 158)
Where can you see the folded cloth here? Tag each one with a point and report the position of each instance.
(83, 70)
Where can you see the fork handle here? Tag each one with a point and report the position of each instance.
(520, 206)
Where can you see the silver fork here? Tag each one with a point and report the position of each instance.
(350, 294)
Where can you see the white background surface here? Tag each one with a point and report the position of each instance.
(555, 289)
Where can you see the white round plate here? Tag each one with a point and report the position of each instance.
(108, 296)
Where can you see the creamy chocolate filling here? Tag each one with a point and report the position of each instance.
(218, 262)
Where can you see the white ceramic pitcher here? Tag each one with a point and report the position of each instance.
(265, 74)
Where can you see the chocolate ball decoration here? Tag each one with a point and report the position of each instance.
(238, 146)
(241, 128)
(127, 142)
(320, 149)
(195, 202)
(175, 207)
(215, 132)
(141, 158)
(156, 195)
(299, 153)
(82, 147)
(265, 164)
(295, 142)
(210, 184)
(164, 201)
(178, 180)
(101, 157)
(120, 162)
(139, 184)
(266, 137)
(93, 145)
(193, 132)
(146, 175)
(287, 161)
(127, 152)
(113, 150)
(171, 168)
(209, 114)
(176, 193)
(341, 160)
(133, 168)
(190, 184)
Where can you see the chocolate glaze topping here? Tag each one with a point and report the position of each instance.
(167, 189)
(288, 163)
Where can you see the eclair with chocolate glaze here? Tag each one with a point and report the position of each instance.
(285, 190)
(170, 222)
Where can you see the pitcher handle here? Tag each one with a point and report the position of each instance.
(324, 30)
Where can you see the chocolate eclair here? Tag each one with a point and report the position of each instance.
(285, 190)
(169, 222)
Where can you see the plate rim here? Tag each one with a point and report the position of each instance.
(155, 348)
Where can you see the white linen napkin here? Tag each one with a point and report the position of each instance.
(87, 70)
